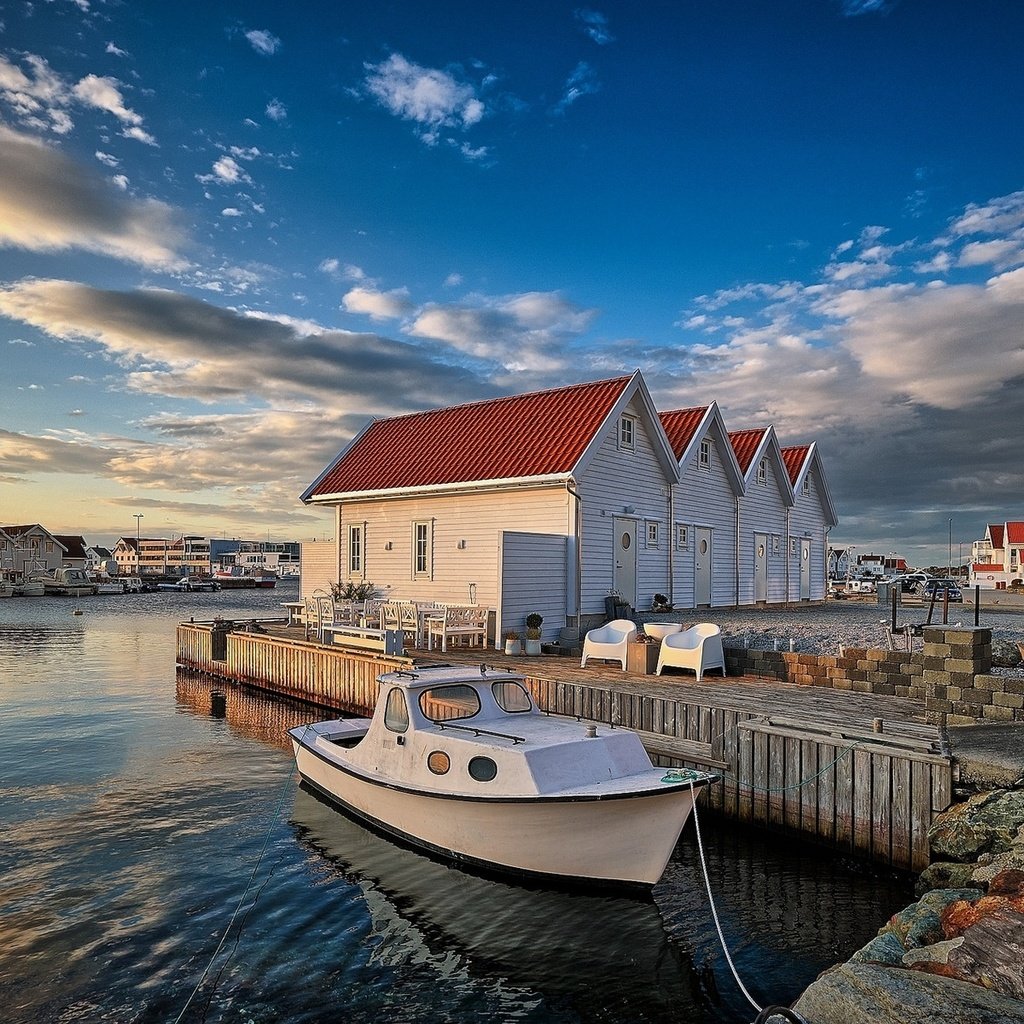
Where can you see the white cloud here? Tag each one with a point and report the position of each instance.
(50, 203)
(107, 158)
(581, 82)
(263, 42)
(435, 100)
(230, 211)
(226, 171)
(121, 181)
(276, 110)
(116, 50)
(392, 305)
(595, 25)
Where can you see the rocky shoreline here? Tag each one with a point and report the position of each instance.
(957, 954)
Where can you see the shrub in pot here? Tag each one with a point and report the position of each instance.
(512, 645)
(533, 624)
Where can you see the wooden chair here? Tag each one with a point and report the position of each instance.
(457, 622)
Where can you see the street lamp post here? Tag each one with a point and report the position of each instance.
(949, 552)
(138, 517)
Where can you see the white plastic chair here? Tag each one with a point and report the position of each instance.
(698, 648)
(610, 641)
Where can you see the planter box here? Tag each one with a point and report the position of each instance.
(642, 659)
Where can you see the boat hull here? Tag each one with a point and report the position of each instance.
(614, 840)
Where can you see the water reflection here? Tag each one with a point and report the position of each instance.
(608, 958)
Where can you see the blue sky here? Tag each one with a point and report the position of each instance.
(230, 233)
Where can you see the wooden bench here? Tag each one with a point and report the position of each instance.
(386, 641)
(457, 622)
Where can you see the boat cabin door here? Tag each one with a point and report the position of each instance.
(760, 568)
(624, 551)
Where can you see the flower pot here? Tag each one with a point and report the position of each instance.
(512, 647)
(532, 647)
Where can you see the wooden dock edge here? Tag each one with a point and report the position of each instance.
(869, 795)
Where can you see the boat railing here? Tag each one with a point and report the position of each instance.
(476, 731)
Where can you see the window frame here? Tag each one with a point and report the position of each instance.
(762, 471)
(627, 426)
(652, 533)
(357, 550)
(682, 536)
(704, 454)
(423, 560)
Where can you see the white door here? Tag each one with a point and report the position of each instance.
(805, 570)
(760, 567)
(624, 549)
(701, 566)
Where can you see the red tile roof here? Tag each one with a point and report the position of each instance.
(530, 435)
(995, 531)
(1015, 533)
(681, 425)
(744, 444)
(794, 457)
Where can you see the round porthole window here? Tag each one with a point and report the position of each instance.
(806, 553)
(760, 551)
(703, 547)
(439, 762)
(483, 769)
(626, 541)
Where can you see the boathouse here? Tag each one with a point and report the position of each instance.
(554, 501)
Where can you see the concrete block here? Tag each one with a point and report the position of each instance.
(1008, 700)
(994, 713)
(935, 704)
(884, 689)
(1011, 685)
(972, 696)
(860, 686)
(959, 720)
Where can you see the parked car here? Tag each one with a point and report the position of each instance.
(940, 587)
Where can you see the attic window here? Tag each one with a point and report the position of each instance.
(627, 433)
(762, 471)
(807, 484)
(704, 456)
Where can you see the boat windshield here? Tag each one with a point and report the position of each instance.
(450, 702)
(511, 697)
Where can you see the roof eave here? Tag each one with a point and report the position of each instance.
(456, 487)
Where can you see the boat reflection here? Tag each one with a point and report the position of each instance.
(608, 957)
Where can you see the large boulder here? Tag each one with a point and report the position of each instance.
(991, 953)
(945, 874)
(856, 993)
(986, 823)
(920, 924)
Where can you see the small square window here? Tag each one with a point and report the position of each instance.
(682, 536)
(652, 535)
(776, 544)
(627, 433)
(704, 455)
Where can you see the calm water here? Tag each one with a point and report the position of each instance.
(134, 815)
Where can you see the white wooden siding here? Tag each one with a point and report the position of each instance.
(467, 573)
(613, 481)
(704, 497)
(762, 510)
(807, 520)
(533, 579)
(318, 567)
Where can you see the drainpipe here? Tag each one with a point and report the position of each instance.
(672, 544)
(788, 554)
(570, 487)
(737, 547)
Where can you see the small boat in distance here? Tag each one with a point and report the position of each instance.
(460, 762)
(188, 584)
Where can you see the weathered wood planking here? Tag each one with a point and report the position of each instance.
(873, 795)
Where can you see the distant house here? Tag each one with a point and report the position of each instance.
(76, 553)
(556, 500)
(126, 555)
(141, 556)
(101, 560)
(997, 561)
(29, 549)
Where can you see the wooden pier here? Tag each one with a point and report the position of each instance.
(860, 773)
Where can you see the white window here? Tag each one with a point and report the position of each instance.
(422, 549)
(682, 536)
(776, 544)
(627, 433)
(355, 550)
(792, 545)
(704, 455)
(652, 535)
(807, 484)
(762, 471)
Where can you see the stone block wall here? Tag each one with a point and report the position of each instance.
(952, 674)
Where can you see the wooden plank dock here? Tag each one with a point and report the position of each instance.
(861, 773)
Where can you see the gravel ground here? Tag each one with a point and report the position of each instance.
(821, 629)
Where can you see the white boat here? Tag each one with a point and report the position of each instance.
(187, 585)
(6, 589)
(29, 588)
(66, 581)
(459, 761)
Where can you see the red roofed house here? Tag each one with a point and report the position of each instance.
(762, 550)
(998, 560)
(544, 502)
(705, 572)
(809, 520)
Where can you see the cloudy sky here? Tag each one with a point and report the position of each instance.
(232, 232)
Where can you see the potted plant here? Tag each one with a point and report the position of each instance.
(512, 645)
(533, 624)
